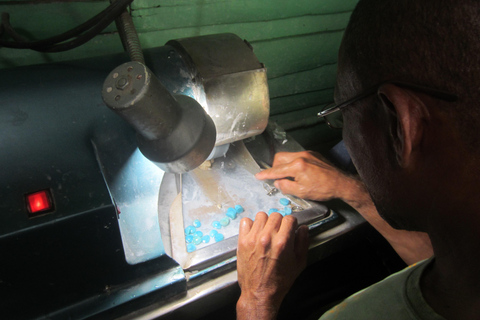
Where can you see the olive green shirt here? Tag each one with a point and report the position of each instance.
(396, 297)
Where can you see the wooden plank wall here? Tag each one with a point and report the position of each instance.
(296, 40)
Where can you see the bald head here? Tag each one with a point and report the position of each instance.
(435, 43)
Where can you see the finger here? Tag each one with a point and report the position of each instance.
(278, 172)
(288, 226)
(273, 223)
(245, 227)
(287, 186)
(264, 174)
(301, 244)
(259, 223)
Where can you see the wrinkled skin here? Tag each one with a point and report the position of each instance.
(313, 177)
(271, 254)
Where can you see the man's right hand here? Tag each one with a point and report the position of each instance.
(313, 177)
(316, 179)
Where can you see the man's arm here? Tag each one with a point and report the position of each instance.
(315, 179)
(271, 254)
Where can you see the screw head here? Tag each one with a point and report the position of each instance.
(121, 83)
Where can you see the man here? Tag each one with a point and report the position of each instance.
(408, 88)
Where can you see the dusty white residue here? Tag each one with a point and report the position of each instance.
(149, 224)
(238, 121)
(185, 74)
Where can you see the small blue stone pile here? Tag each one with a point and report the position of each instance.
(194, 237)
(287, 210)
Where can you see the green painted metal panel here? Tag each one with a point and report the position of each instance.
(297, 54)
(261, 31)
(253, 20)
(298, 118)
(200, 13)
(42, 20)
(298, 42)
(227, 11)
(304, 81)
(297, 101)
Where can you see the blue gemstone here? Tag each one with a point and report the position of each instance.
(288, 211)
(197, 240)
(231, 213)
(206, 239)
(213, 233)
(216, 224)
(191, 247)
(284, 201)
(272, 211)
(190, 230)
(189, 238)
(199, 234)
(197, 223)
(225, 221)
(239, 209)
(218, 237)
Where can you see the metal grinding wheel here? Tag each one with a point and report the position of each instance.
(172, 131)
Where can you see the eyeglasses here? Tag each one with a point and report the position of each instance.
(334, 118)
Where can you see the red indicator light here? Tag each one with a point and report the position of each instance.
(39, 202)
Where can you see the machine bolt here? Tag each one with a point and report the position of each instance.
(121, 83)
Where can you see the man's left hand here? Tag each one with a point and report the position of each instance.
(271, 254)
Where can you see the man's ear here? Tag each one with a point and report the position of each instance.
(407, 114)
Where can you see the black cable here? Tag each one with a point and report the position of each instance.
(8, 29)
(53, 44)
(109, 18)
(18, 44)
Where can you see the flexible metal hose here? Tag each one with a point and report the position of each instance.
(129, 36)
